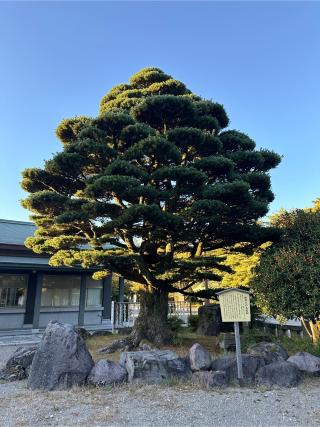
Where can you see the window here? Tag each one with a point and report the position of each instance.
(94, 292)
(60, 291)
(13, 290)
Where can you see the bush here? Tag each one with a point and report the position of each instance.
(193, 321)
(292, 345)
(175, 323)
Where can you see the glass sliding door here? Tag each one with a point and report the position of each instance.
(60, 291)
(60, 297)
(13, 294)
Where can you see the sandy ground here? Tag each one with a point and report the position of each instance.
(166, 405)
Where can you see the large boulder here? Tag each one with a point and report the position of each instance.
(210, 322)
(283, 374)
(62, 360)
(269, 351)
(210, 379)
(154, 366)
(18, 364)
(228, 364)
(106, 372)
(306, 362)
(198, 358)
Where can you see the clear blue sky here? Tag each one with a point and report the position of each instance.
(261, 60)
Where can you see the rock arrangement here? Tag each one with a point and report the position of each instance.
(106, 373)
(154, 366)
(62, 361)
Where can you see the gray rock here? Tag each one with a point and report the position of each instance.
(283, 374)
(62, 360)
(270, 351)
(23, 356)
(145, 347)
(306, 362)
(199, 359)
(250, 366)
(227, 342)
(154, 366)
(123, 344)
(106, 372)
(15, 373)
(210, 379)
(18, 364)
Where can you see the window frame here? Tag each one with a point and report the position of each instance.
(94, 284)
(70, 289)
(23, 286)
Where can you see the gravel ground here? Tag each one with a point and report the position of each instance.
(170, 405)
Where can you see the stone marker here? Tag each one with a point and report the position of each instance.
(62, 360)
(209, 379)
(199, 359)
(154, 366)
(270, 351)
(305, 362)
(106, 372)
(210, 322)
(283, 374)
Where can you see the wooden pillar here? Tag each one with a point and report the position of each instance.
(37, 300)
(121, 289)
(107, 297)
(30, 302)
(82, 299)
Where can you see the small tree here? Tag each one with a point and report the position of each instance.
(286, 283)
(148, 187)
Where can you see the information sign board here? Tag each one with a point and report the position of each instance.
(235, 305)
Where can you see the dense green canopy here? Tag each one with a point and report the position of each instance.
(149, 186)
(286, 283)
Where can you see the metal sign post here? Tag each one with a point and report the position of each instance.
(235, 307)
(238, 352)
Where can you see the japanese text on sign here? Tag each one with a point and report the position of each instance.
(235, 307)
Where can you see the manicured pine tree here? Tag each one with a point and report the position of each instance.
(147, 189)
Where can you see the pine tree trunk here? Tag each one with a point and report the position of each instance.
(151, 323)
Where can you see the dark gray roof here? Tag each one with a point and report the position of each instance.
(15, 232)
(8, 259)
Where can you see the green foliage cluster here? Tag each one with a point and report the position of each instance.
(292, 345)
(175, 323)
(287, 280)
(149, 187)
(193, 321)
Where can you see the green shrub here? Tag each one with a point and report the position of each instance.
(193, 321)
(175, 323)
(292, 345)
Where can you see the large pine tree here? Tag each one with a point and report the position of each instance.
(147, 189)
